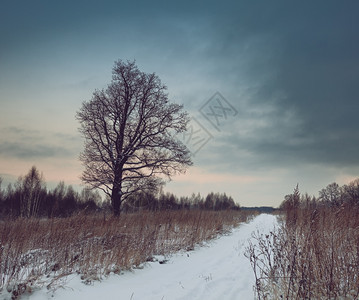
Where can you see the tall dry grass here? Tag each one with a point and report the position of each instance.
(314, 254)
(38, 252)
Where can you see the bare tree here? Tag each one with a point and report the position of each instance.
(331, 195)
(31, 188)
(129, 130)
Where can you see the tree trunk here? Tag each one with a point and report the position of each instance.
(116, 198)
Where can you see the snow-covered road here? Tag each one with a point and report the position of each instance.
(217, 271)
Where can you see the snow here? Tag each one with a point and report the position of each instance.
(218, 270)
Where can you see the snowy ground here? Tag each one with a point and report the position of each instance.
(217, 271)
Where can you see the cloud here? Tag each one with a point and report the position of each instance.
(35, 144)
(30, 151)
(297, 69)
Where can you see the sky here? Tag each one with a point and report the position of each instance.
(271, 87)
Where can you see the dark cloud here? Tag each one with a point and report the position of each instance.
(32, 144)
(25, 151)
(302, 62)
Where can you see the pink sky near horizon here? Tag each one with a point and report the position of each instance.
(247, 190)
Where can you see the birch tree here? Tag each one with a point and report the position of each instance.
(32, 189)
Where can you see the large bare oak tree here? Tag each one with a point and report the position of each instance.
(130, 133)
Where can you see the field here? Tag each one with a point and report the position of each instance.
(37, 253)
(308, 250)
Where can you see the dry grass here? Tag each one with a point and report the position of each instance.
(38, 252)
(314, 254)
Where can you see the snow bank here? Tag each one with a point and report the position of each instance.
(218, 270)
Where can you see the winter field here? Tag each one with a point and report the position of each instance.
(171, 254)
(217, 270)
(309, 251)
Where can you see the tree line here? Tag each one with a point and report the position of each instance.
(29, 197)
(333, 195)
(169, 201)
